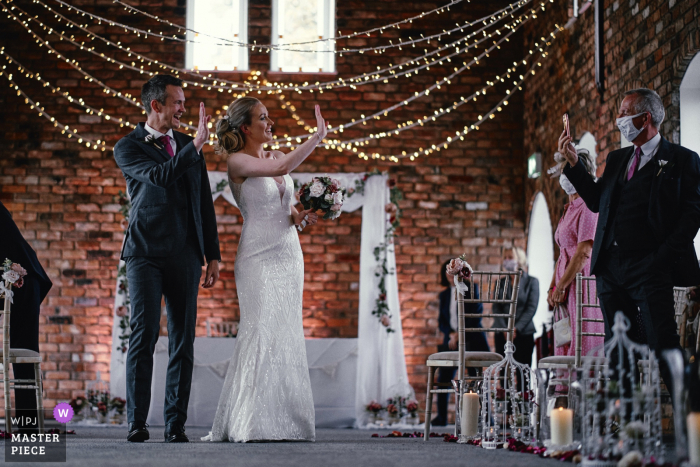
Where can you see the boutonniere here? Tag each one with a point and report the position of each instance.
(662, 164)
(152, 141)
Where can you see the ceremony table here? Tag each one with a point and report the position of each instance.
(332, 369)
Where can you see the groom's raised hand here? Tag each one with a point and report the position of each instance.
(212, 274)
(202, 129)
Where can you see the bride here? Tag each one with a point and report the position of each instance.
(267, 393)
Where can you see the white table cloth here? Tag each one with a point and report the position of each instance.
(332, 369)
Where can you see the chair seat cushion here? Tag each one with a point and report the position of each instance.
(23, 356)
(468, 356)
(557, 360)
(564, 360)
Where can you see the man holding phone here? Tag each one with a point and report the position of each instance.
(649, 204)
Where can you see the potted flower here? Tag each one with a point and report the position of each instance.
(102, 411)
(412, 412)
(118, 405)
(394, 413)
(374, 408)
(78, 404)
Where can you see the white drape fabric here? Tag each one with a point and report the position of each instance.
(381, 366)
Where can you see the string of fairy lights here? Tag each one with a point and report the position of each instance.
(253, 83)
(384, 112)
(340, 36)
(75, 64)
(230, 86)
(352, 145)
(269, 47)
(99, 144)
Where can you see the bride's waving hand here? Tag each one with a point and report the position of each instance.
(243, 141)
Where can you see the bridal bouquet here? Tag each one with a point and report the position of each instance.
(323, 194)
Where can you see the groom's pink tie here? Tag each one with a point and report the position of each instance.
(165, 139)
(635, 163)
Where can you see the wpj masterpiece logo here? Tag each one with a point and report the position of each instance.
(28, 444)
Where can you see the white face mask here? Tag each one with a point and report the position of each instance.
(566, 185)
(627, 128)
(510, 265)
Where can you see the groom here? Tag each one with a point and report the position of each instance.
(172, 230)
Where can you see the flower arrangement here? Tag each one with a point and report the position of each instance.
(78, 403)
(392, 410)
(412, 407)
(323, 194)
(374, 407)
(459, 268)
(102, 408)
(118, 404)
(13, 273)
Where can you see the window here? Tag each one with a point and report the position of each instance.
(227, 19)
(302, 21)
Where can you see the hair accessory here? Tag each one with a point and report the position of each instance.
(225, 117)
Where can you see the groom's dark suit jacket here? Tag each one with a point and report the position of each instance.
(167, 193)
(674, 207)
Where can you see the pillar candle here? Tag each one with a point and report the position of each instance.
(470, 414)
(694, 437)
(562, 426)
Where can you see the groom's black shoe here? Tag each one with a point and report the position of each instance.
(137, 432)
(175, 433)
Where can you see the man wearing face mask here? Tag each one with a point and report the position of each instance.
(648, 201)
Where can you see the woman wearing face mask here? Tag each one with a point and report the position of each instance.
(574, 235)
(528, 297)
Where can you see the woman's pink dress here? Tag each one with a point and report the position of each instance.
(577, 225)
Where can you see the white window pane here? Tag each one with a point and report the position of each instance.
(297, 21)
(225, 19)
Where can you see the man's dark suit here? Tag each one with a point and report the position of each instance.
(654, 251)
(24, 320)
(475, 342)
(172, 228)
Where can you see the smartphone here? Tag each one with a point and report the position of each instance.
(566, 125)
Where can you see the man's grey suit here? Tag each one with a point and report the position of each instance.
(172, 229)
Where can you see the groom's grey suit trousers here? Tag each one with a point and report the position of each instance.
(177, 279)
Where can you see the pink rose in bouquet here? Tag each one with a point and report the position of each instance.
(460, 268)
(323, 194)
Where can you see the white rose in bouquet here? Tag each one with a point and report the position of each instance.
(328, 198)
(338, 198)
(317, 189)
(335, 183)
(12, 276)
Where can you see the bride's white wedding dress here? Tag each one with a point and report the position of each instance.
(267, 392)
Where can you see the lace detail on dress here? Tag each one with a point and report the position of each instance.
(267, 392)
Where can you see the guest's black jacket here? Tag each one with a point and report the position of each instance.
(474, 341)
(14, 247)
(674, 208)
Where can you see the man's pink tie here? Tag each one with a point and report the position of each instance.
(635, 163)
(165, 139)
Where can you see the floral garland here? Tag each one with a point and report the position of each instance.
(381, 307)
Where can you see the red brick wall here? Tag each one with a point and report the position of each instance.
(62, 194)
(648, 43)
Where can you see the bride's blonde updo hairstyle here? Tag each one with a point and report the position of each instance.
(228, 128)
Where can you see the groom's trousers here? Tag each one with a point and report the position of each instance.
(177, 279)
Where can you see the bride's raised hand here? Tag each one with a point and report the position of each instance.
(320, 123)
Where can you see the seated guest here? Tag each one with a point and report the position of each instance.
(448, 323)
(24, 319)
(528, 298)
